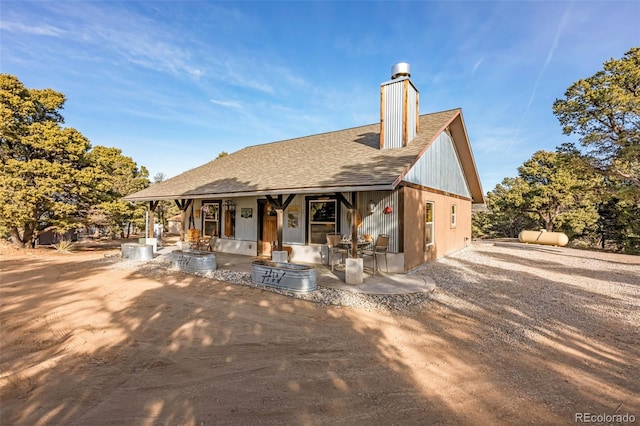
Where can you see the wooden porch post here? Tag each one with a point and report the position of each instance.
(183, 205)
(353, 211)
(279, 226)
(354, 225)
(152, 209)
(280, 207)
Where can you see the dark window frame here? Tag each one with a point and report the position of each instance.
(320, 198)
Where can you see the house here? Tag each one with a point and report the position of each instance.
(410, 176)
(51, 236)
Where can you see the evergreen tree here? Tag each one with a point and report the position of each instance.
(46, 180)
(604, 110)
(124, 178)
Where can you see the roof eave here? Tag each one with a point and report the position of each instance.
(238, 194)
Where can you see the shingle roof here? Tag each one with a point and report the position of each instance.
(343, 160)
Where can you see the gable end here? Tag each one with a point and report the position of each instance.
(440, 168)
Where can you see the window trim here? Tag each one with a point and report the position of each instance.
(203, 216)
(309, 222)
(430, 224)
(454, 215)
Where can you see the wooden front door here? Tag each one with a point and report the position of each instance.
(269, 229)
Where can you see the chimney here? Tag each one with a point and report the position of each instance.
(399, 100)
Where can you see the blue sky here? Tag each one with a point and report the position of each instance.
(175, 83)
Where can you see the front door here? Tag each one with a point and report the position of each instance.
(268, 232)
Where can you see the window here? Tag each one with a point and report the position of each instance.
(322, 220)
(428, 224)
(453, 215)
(210, 219)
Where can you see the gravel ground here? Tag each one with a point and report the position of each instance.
(323, 295)
(525, 290)
(548, 283)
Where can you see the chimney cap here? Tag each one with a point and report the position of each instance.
(401, 69)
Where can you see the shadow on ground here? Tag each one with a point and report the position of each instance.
(85, 342)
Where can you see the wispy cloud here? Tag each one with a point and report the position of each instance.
(131, 36)
(118, 34)
(547, 61)
(20, 28)
(228, 104)
(476, 66)
(492, 140)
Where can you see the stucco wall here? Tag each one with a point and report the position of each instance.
(447, 238)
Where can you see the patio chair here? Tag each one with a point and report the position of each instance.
(379, 249)
(202, 243)
(212, 244)
(333, 247)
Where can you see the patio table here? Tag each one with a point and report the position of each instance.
(362, 243)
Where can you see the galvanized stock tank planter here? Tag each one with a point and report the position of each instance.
(136, 251)
(292, 277)
(194, 260)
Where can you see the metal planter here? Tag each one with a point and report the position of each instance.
(135, 251)
(194, 260)
(292, 277)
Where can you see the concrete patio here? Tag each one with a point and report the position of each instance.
(380, 283)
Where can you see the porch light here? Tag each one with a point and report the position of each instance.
(229, 205)
(372, 206)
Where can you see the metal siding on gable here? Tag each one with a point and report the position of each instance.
(440, 168)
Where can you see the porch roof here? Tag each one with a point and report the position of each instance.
(339, 161)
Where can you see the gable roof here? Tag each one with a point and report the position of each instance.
(340, 161)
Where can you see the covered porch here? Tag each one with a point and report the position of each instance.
(298, 223)
(381, 283)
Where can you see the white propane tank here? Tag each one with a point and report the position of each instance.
(543, 237)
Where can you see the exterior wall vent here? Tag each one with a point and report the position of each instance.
(399, 102)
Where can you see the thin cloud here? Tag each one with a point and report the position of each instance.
(125, 34)
(476, 66)
(547, 61)
(227, 104)
(20, 28)
(493, 140)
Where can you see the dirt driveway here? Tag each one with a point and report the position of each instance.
(513, 334)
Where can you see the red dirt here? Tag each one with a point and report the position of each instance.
(84, 342)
